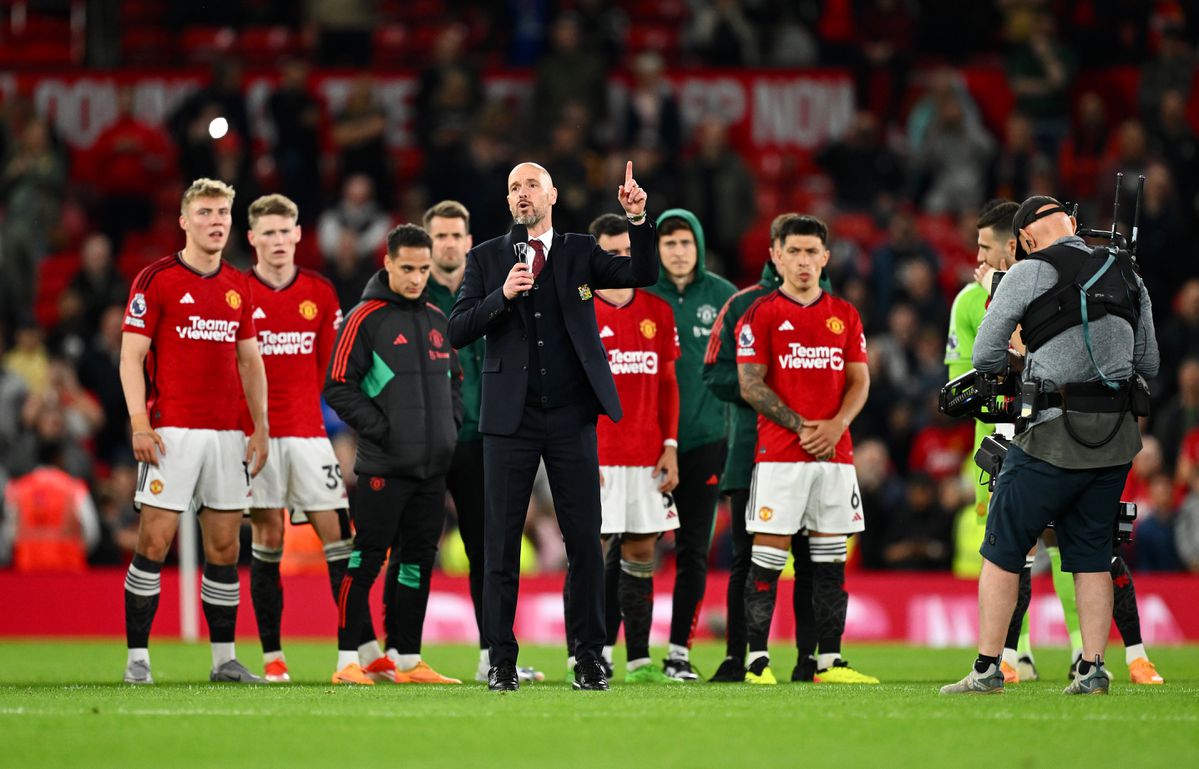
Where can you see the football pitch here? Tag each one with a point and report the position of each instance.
(60, 706)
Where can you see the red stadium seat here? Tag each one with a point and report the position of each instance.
(859, 228)
(207, 44)
(53, 275)
(135, 12)
(264, 45)
(146, 46)
(661, 38)
(390, 44)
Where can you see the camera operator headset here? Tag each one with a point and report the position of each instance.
(1087, 323)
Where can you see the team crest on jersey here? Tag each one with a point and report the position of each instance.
(765, 513)
(835, 324)
(706, 314)
(137, 305)
(155, 486)
(649, 329)
(308, 309)
(233, 299)
(377, 483)
(584, 292)
(436, 339)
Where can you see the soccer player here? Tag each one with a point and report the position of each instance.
(188, 354)
(638, 456)
(394, 378)
(296, 315)
(996, 254)
(448, 224)
(720, 375)
(695, 296)
(801, 359)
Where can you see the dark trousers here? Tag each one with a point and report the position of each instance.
(695, 497)
(565, 438)
(405, 516)
(465, 483)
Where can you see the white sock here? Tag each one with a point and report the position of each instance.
(825, 661)
(1010, 656)
(138, 655)
(222, 653)
(607, 652)
(485, 658)
(1076, 654)
(369, 652)
(570, 662)
(755, 656)
(1134, 652)
(1028, 656)
(346, 658)
(679, 652)
(407, 661)
(640, 663)
(269, 657)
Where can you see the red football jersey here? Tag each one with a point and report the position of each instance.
(194, 322)
(639, 337)
(296, 325)
(805, 350)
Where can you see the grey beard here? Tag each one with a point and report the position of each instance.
(527, 219)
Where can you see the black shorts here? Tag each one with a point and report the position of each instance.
(1030, 494)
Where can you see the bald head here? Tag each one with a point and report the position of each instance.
(531, 197)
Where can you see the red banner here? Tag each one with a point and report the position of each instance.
(925, 610)
(767, 110)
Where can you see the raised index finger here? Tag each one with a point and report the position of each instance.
(628, 174)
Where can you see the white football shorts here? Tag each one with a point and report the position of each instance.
(788, 497)
(631, 503)
(204, 467)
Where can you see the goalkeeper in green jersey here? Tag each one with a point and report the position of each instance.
(996, 253)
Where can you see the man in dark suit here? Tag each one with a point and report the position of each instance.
(545, 381)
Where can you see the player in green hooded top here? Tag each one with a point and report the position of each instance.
(696, 297)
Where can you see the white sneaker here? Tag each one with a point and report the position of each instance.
(138, 672)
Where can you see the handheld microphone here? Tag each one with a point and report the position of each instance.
(520, 246)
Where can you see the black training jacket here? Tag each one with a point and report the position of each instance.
(395, 379)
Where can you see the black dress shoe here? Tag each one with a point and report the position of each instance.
(731, 671)
(805, 670)
(503, 678)
(589, 676)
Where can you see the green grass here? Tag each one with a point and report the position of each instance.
(59, 706)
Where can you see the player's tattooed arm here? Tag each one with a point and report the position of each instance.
(764, 400)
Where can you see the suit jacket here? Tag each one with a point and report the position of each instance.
(580, 267)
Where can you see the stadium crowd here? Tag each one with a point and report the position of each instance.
(901, 189)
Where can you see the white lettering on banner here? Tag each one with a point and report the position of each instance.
(633, 362)
(803, 357)
(83, 108)
(800, 113)
(700, 98)
(204, 330)
(286, 342)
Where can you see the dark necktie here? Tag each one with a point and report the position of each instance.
(538, 257)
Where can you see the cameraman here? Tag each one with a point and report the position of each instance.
(1064, 468)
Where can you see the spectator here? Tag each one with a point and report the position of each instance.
(651, 117)
(920, 536)
(132, 160)
(81, 413)
(918, 288)
(1147, 465)
(358, 216)
(1178, 337)
(894, 349)
(49, 522)
(48, 425)
(118, 518)
(865, 172)
(296, 118)
(32, 177)
(1172, 70)
(448, 99)
(28, 358)
(569, 72)
(1018, 159)
(348, 271)
(1162, 242)
(882, 494)
(1081, 156)
(718, 188)
(99, 373)
(886, 31)
(1040, 72)
(69, 335)
(951, 168)
(1186, 527)
(13, 390)
(1174, 142)
(1129, 154)
(722, 36)
(1154, 548)
(942, 446)
(568, 160)
(344, 31)
(98, 281)
(1181, 413)
(188, 124)
(942, 84)
(360, 137)
(903, 245)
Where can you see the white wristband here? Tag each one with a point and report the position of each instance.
(670, 443)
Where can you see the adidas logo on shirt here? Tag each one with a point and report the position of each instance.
(400, 339)
(606, 332)
(187, 299)
(786, 326)
(259, 314)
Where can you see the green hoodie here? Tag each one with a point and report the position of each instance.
(471, 360)
(701, 415)
(720, 375)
